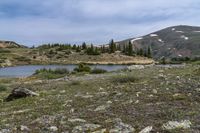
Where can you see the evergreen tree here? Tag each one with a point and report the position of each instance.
(112, 46)
(124, 49)
(74, 47)
(149, 55)
(78, 49)
(84, 46)
(141, 52)
(130, 49)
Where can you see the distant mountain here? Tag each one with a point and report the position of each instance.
(9, 44)
(176, 41)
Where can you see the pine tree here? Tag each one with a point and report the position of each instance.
(149, 55)
(84, 46)
(78, 49)
(74, 47)
(112, 46)
(130, 49)
(141, 52)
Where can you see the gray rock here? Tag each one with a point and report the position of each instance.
(76, 120)
(147, 129)
(85, 128)
(5, 131)
(20, 93)
(53, 128)
(121, 127)
(24, 128)
(170, 125)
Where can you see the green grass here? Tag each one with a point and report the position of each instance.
(3, 88)
(57, 98)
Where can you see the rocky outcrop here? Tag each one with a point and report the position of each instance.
(20, 93)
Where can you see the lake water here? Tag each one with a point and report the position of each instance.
(24, 71)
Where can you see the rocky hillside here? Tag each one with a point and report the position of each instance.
(176, 41)
(9, 44)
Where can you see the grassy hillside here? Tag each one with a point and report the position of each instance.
(59, 55)
(120, 101)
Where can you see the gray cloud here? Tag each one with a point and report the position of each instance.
(35, 22)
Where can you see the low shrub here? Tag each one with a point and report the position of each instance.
(82, 68)
(75, 83)
(50, 73)
(3, 88)
(98, 71)
(56, 71)
(4, 51)
(197, 71)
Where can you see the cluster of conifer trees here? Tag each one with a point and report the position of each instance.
(112, 47)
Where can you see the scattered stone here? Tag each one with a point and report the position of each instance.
(121, 127)
(5, 131)
(109, 102)
(184, 124)
(198, 89)
(72, 110)
(84, 96)
(101, 131)
(62, 92)
(138, 94)
(20, 93)
(24, 128)
(53, 128)
(147, 129)
(85, 128)
(136, 102)
(155, 91)
(44, 120)
(76, 120)
(178, 77)
(102, 107)
(102, 93)
(101, 89)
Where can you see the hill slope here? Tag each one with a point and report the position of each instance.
(176, 41)
(9, 44)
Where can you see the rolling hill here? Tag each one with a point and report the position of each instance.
(9, 44)
(176, 41)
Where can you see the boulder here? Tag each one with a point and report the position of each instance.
(20, 93)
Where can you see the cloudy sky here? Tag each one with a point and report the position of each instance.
(32, 22)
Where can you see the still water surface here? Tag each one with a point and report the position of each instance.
(24, 71)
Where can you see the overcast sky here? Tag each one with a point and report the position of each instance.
(32, 22)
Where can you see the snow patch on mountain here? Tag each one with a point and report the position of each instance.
(160, 40)
(180, 31)
(173, 29)
(135, 39)
(153, 35)
(184, 37)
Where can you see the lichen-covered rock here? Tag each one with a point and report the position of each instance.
(53, 128)
(5, 131)
(146, 129)
(85, 128)
(121, 127)
(76, 120)
(184, 124)
(20, 93)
